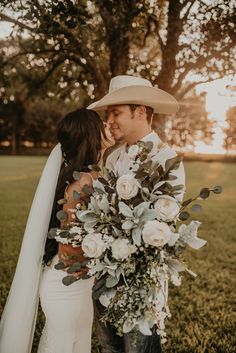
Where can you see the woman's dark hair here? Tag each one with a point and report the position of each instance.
(79, 134)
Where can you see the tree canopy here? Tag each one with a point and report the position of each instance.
(70, 49)
(90, 41)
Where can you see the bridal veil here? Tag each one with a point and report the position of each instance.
(20, 312)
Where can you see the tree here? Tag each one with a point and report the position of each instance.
(74, 47)
(230, 131)
(12, 115)
(172, 39)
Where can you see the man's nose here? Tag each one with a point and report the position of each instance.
(110, 119)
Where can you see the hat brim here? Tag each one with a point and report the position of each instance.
(161, 101)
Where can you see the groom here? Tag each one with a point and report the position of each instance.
(130, 105)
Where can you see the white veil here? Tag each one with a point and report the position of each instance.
(20, 312)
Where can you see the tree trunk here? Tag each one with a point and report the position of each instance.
(171, 48)
(13, 137)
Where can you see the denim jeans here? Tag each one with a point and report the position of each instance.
(110, 342)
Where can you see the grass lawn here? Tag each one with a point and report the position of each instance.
(203, 309)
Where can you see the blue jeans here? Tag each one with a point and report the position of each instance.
(110, 342)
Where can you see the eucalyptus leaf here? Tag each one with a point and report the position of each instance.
(64, 234)
(204, 193)
(127, 225)
(61, 216)
(62, 201)
(196, 208)
(183, 216)
(172, 163)
(68, 280)
(94, 205)
(108, 189)
(136, 236)
(74, 268)
(104, 204)
(140, 209)
(85, 276)
(117, 232)
(86, 216)
(125, 210)
(147, 165)
(175, 266)
(177, 187)
(103, 181)
(141, 174)
(149, 145)
(76, 175)
(217, 189)
(76, 195)
(172, 177)
(99, 191)
(98, 185)
(111, 281)
(60, 266)
(148, 215)
(87, 189)
(90, 225)
(52, 233)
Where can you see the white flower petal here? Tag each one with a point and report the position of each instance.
(196, 243)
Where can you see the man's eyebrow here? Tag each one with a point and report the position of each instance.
(112, 110)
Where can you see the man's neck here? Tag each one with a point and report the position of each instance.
(139, 136)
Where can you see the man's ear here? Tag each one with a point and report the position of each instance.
(141, 112)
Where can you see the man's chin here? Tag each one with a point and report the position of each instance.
(117, 137)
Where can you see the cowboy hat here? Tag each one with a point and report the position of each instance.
(126, 89)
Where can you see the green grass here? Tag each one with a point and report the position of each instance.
(203, 309)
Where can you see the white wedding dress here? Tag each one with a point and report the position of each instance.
(68, 311)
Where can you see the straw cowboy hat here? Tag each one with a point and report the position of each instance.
(126, 89)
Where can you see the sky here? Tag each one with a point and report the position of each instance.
(218, 101)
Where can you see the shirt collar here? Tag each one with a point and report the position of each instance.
(152, 136)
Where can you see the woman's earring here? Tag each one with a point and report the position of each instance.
(65, 162)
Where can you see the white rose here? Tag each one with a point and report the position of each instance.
(156, 233)
(93, 245)
(133, 151)
(121, 249)
(167, 208)
(127, 187)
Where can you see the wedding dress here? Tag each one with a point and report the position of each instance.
(68, 311)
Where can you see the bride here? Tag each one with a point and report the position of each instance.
(68, 309)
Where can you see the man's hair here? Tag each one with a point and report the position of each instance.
(149, 111)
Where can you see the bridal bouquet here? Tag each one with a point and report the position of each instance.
(133, 235)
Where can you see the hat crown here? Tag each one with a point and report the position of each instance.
(122, 81)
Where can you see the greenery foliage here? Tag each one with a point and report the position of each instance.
(203, 317)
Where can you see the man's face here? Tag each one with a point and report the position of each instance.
(121, 121)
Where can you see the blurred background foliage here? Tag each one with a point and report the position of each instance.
(63, 54)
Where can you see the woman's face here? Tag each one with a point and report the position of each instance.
(109, 140)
